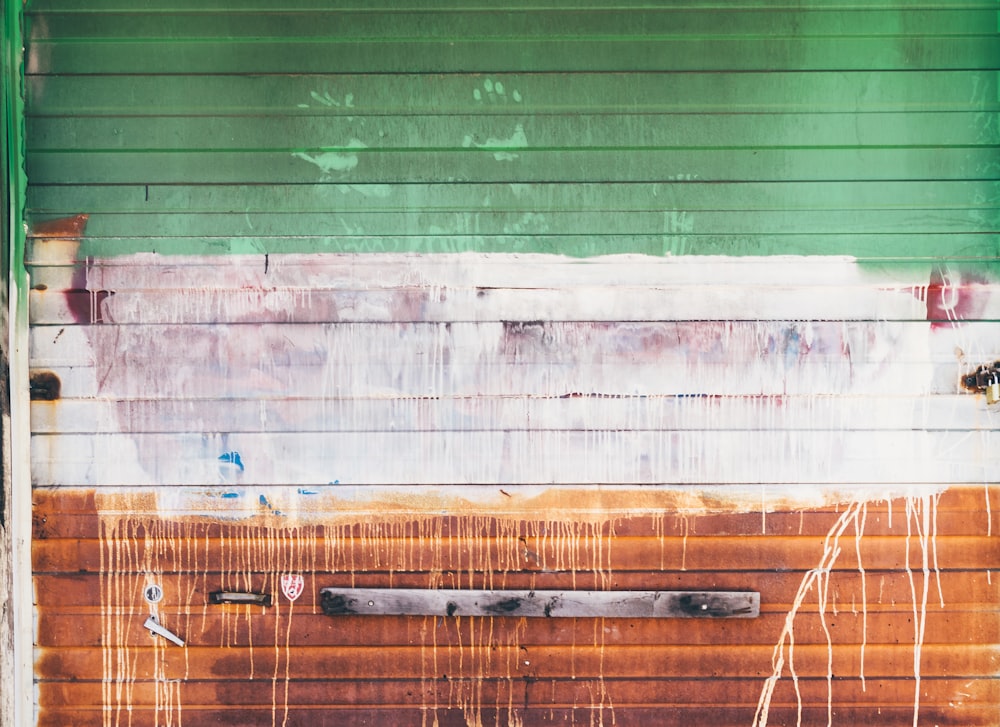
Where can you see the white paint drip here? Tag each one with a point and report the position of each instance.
(136, 547)
(915, 512)
(811, 578)
(921, 516)
(860, 517)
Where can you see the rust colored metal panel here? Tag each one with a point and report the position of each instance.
(876, 592)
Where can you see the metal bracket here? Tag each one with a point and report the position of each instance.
(547, 604)
(156, 630)
(980, 379)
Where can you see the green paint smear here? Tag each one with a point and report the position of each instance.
(439, 197)
(14, 183)
(876, 249)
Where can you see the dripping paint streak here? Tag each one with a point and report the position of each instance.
(918, 511)
(859, 531)
(933, 500)
(288, 654)
(811, 578)
(989, 513)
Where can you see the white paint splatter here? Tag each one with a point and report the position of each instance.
(334, 164)
(517, 140)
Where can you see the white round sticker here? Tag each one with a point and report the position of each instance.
(153, 594)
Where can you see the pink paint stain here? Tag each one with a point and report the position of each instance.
(953, 297)
(85, 305)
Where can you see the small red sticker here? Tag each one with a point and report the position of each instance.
(292, 585)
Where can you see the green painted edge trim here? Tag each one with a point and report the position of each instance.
(16, 181)
(18, 707)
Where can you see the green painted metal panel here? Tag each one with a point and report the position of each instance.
(586, 129)
(514, 94)
(427, 25)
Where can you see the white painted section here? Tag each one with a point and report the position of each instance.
(916, 410)
(526, 457)
(339, 371)
(23, 695)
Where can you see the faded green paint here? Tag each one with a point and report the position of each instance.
(14, 182)
(329, 127)
(16, 686)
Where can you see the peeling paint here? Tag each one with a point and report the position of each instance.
(469, 449)
(142, 540)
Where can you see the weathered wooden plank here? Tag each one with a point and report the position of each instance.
(547, 604)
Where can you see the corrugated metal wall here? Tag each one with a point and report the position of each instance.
(666, 296)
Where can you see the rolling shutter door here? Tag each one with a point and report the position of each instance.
(646, 298)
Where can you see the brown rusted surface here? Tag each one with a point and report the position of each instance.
(63, 228)
(855, 637)
(44, 385)
(83, 301)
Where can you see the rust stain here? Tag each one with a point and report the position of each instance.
(84, 301)
(983, 376)
(60, 229)
(44, 386)
(953, 296)
(491, 670)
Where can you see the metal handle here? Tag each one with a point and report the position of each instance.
(156, 630)
(259, 599)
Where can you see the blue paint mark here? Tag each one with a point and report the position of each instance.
(304, 491)
(264, 501)
(232, 458)
(230, 495)
(335, 482)
(793, 347)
